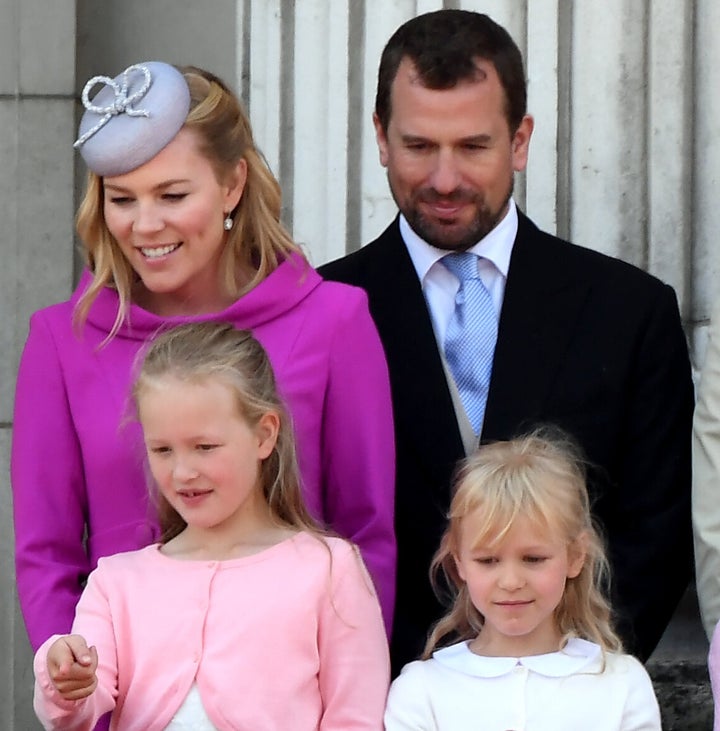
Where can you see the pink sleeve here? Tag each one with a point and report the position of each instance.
(354, 661)
(359, 446)
(94, 623)
(48, 491)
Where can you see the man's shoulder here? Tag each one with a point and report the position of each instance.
(362, 265)
(535, 247)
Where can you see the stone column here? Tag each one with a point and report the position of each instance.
(37, 77)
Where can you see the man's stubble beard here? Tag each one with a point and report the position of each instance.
(442, 237)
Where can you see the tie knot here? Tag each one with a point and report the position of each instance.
(463, 264)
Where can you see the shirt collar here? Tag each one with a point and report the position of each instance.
(496, 246)
(577, 655)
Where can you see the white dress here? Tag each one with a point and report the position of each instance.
(457, 690)
(191, 716)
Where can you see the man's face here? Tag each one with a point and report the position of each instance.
(450, 156)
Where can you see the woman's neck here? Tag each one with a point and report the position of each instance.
(180, 304)
(208, 293)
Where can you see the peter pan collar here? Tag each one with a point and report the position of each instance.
(576, 656)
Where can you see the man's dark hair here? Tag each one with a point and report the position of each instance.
(443, 46)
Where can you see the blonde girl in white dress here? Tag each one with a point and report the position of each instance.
(528, 643)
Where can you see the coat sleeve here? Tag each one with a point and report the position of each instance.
(649, 531)
(94, 623)
(49, 498)
(358, 446)
(354, 660)
(706, 481)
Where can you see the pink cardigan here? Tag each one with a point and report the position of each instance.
(78, 456)
(289, 638)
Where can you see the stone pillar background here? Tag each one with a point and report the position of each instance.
(37, 84)
(624, 157)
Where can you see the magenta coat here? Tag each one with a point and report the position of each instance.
(78, 470)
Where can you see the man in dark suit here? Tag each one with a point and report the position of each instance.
(583, 341)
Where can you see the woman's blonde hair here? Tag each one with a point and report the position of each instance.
(541, 477)
(216, 351)
(257, 242)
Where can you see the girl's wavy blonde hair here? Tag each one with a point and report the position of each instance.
(216, 351)
(539, 476)
(257, 242)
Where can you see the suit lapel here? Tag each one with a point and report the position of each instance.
(541, 308)
(424, 409)
(540, 311)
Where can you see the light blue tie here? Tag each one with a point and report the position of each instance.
(471, 336)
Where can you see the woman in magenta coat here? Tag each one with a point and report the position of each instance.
(180, 222)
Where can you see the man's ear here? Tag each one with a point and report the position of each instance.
(382, 143)
(521, 143)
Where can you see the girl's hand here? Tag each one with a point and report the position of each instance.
(71, 665)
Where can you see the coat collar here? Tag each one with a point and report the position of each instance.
(423, 405)
(290, 283)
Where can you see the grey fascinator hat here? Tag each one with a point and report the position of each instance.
(132, 117)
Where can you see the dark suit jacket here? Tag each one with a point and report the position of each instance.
(586, 342)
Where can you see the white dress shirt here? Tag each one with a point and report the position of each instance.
(440, 288)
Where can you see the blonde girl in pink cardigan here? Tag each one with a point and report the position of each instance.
(245, 615)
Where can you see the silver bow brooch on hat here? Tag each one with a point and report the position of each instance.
(122, 103)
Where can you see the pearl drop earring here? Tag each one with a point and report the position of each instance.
(227, 223)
